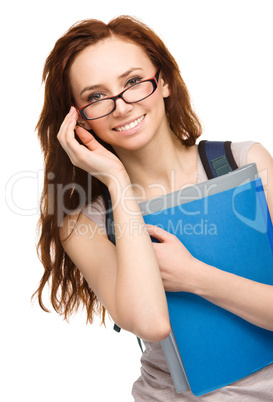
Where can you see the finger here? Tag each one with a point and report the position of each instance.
(157, 232)
(66, 137)
(87, 138)
(67, 134)
(66, 130)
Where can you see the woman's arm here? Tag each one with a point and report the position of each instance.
(250, 300)
(139, 292)
(125, 278)
(264, 161)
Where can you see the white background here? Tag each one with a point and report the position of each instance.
(224, 49)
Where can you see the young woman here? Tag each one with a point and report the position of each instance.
(131, 129)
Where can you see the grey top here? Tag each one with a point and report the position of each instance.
(155, 383)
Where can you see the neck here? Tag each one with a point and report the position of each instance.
(160, 167)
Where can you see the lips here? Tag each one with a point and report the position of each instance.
(129, 125)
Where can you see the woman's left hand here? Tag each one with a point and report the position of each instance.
(176, 264)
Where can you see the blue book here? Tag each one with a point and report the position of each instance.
(225, 223)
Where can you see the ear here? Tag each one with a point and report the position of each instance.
(165, 88)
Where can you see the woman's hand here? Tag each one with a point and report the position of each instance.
(95, 159)
(180, 271)
(177, 266)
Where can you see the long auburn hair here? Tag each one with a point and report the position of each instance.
(69, 289)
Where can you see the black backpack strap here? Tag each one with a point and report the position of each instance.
(110, 229)
(216, 157)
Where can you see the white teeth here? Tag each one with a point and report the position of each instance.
(131, 125)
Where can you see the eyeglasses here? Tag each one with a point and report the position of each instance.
(136, 93)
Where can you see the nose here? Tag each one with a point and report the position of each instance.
(122, 107)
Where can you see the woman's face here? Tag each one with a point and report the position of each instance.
(105, 70)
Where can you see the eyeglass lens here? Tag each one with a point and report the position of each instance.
(133, 94)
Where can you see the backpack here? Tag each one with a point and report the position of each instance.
(217, 160)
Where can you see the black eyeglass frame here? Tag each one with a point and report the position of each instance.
(153, 80)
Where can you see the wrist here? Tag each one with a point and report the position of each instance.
(116, 183)
(200, 278)
(208, 279)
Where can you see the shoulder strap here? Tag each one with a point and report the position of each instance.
(110, 228)
(216, 157)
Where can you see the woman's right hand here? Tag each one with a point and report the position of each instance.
(95, 159)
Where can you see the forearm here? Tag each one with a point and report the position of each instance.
(139, 292)
(250, 300)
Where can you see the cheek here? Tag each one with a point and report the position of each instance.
(157, 104)
(97, 126)
(102, 131)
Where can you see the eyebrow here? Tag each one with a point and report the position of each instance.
(125, 74)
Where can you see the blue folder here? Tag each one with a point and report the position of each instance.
(224, 222)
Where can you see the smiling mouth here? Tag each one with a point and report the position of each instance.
(130, 125)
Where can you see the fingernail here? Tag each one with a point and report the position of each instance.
(72, 110)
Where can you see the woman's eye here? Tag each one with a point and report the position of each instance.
(95, 97)
(134, 81)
